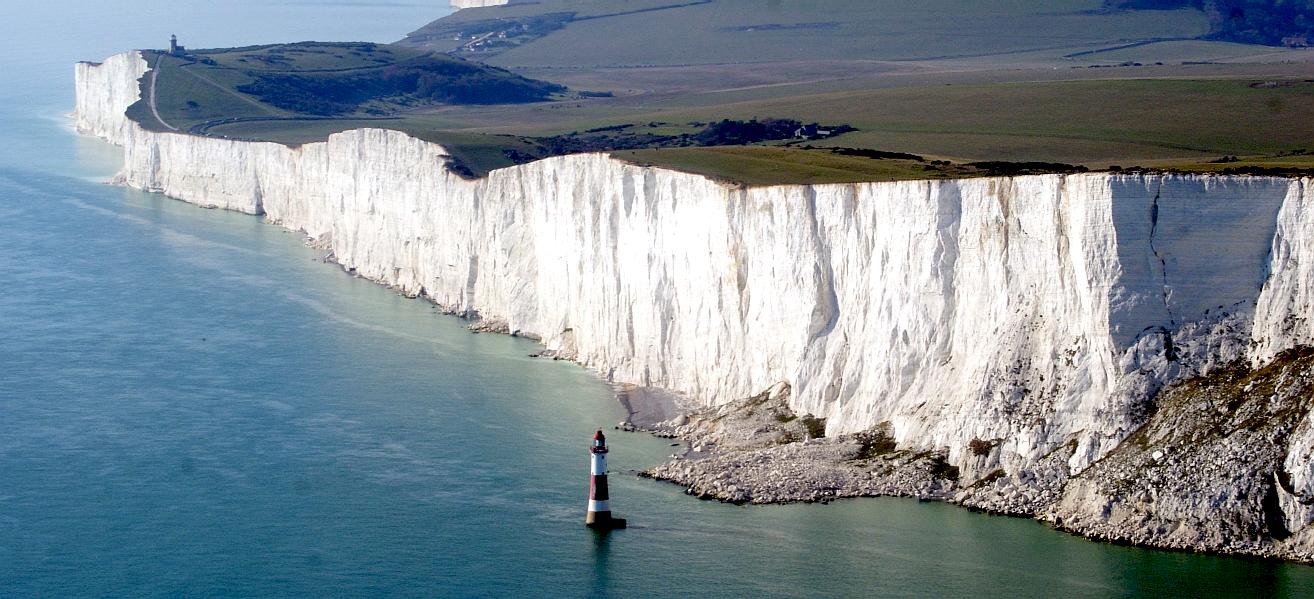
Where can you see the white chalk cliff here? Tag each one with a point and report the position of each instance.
(459, 4)
(1033, 310)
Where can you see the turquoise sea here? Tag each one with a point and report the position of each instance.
(192, 405)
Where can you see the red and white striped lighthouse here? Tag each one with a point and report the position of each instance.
(599, 514)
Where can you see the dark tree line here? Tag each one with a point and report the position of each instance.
(725, 132)
(1267, 22)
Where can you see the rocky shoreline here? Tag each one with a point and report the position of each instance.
(1205, 473)
(757, 450)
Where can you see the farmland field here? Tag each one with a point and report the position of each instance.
(1063, 82)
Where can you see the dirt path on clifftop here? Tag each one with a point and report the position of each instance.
(155, 71)
(222, 88)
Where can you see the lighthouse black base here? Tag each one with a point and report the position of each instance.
(604, 521)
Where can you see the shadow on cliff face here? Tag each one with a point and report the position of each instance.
(648, 406)
(1180, 258)
(1222, 466)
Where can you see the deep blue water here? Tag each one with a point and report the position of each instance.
(191, 404)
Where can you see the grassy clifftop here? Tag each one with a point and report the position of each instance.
(585, 33)
(1192, 124)
(1085, 83)
(312, 80)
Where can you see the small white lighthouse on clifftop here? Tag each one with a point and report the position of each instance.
(174, 48)
(599, 514)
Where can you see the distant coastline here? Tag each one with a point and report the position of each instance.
(460, 4)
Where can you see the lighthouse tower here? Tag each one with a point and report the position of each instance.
(599, 514)
(174, 48)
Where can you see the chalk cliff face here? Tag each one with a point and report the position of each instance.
(1032, 312)
(103, 93)
(459, 4)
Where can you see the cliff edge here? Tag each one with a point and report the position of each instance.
(460, 4)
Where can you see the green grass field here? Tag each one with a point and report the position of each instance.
(1094, 123)
(690, 32)
(1022, 81)
(757, 165)
(203, 87)
(311, 57)
(1078, 121)
(185, 97)
(313, 80)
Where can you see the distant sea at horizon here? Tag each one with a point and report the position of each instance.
(192, 404)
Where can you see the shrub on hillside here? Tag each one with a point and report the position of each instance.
(431, 78)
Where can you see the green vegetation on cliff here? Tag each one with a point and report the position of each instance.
(1185, 124)
(310, 80)
(700, 84)
(427, 78)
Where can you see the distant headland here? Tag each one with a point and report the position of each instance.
(459, 4)
(784, 95)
